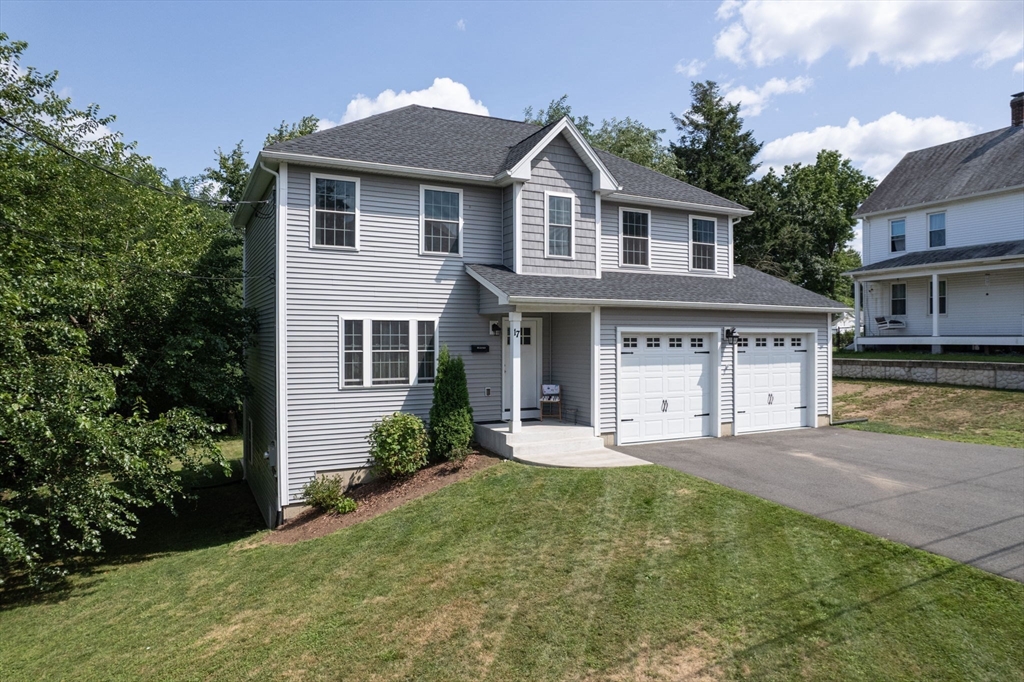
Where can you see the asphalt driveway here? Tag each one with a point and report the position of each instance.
(962, 501)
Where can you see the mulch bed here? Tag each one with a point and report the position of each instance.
(380, 496)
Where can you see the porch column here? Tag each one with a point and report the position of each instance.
(856, 315)
(936, 348)
(515, 332)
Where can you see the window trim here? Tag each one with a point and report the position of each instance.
(313, 177)
(690, 243)
(572, 225)
(462, 220)
(928, 229)
(896, 220)
(892, 298)
(414, 347)
(943, 297)
(622, 237)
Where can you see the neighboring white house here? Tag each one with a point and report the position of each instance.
(536, 258)
(949, 219)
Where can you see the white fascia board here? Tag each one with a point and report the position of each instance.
(685, 305)
(255, 185)
(937, 202)
(382, 168)
(942, 268)
(604, 181)
(621, 198)
(502, 296)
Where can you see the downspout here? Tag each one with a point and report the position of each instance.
(279, 373)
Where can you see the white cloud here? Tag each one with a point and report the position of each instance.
(461, 24)
(899, 32)
(444, 93)
(874, 147)
(1018, 67)
(691, 69)
(754, 102)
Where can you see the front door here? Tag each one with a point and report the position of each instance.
(529, 365)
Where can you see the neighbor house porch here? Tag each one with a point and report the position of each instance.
(975, 306)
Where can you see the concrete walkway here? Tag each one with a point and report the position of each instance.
(962, 501)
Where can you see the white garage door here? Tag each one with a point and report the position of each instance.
(771, 382)
(664, 387)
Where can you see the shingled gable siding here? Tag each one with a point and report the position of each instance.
(972, 308)
(612, 318)
(559, 169)
(327, 426)
(984, 220)
(261, 406)
(670, 239)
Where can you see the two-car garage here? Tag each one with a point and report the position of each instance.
(670, 383)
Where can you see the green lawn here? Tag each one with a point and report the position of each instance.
(906, 355)
(523, 573)
(960, 413)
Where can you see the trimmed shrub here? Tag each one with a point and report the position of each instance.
(451, 417)
(325, 493)
(398, 445)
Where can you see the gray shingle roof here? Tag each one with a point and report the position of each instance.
(994, 250)
(983, 163)
(748, 287)
(438, 139)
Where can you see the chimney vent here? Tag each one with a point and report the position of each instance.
(1017, 109)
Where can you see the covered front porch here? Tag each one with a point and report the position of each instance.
(975, 307)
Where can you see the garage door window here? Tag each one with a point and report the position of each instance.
(780, 342)
(629, 342)
(696, 342)
(743, 342)
(675, 342)
(761, 341)
(654, 342)
(796, 342)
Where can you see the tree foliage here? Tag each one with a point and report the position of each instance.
(290, 131)
(713, 151)
(626, 138)
(116, 303)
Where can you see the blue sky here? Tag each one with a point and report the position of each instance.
(873, 80)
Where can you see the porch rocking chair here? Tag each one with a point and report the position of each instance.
(551, 394)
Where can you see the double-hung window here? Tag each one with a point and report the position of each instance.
(936, 230)
(441, 217)
(559, 225)
(702, 243)
(388, 352)
(636, 237)
(897, 235)
(335, 203)
(942, 297)
(898, 300)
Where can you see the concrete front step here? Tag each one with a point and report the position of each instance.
(586, 459)
(564, 445)
(545, 434)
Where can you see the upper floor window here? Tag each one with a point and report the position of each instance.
(636, 237)
(559, 225)
(942, 297)
(936, 229)
(897, 235)
(702, 243)
(441, 217)
(898, 300)
(335, 211)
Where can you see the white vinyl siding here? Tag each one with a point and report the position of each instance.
(984, 220)
(386, 279)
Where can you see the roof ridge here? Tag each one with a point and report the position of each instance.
(959, 139)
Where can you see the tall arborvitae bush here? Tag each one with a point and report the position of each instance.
(451, 417)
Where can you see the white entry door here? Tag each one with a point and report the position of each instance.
(771, 382)
(529, 367)
(664, 386)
